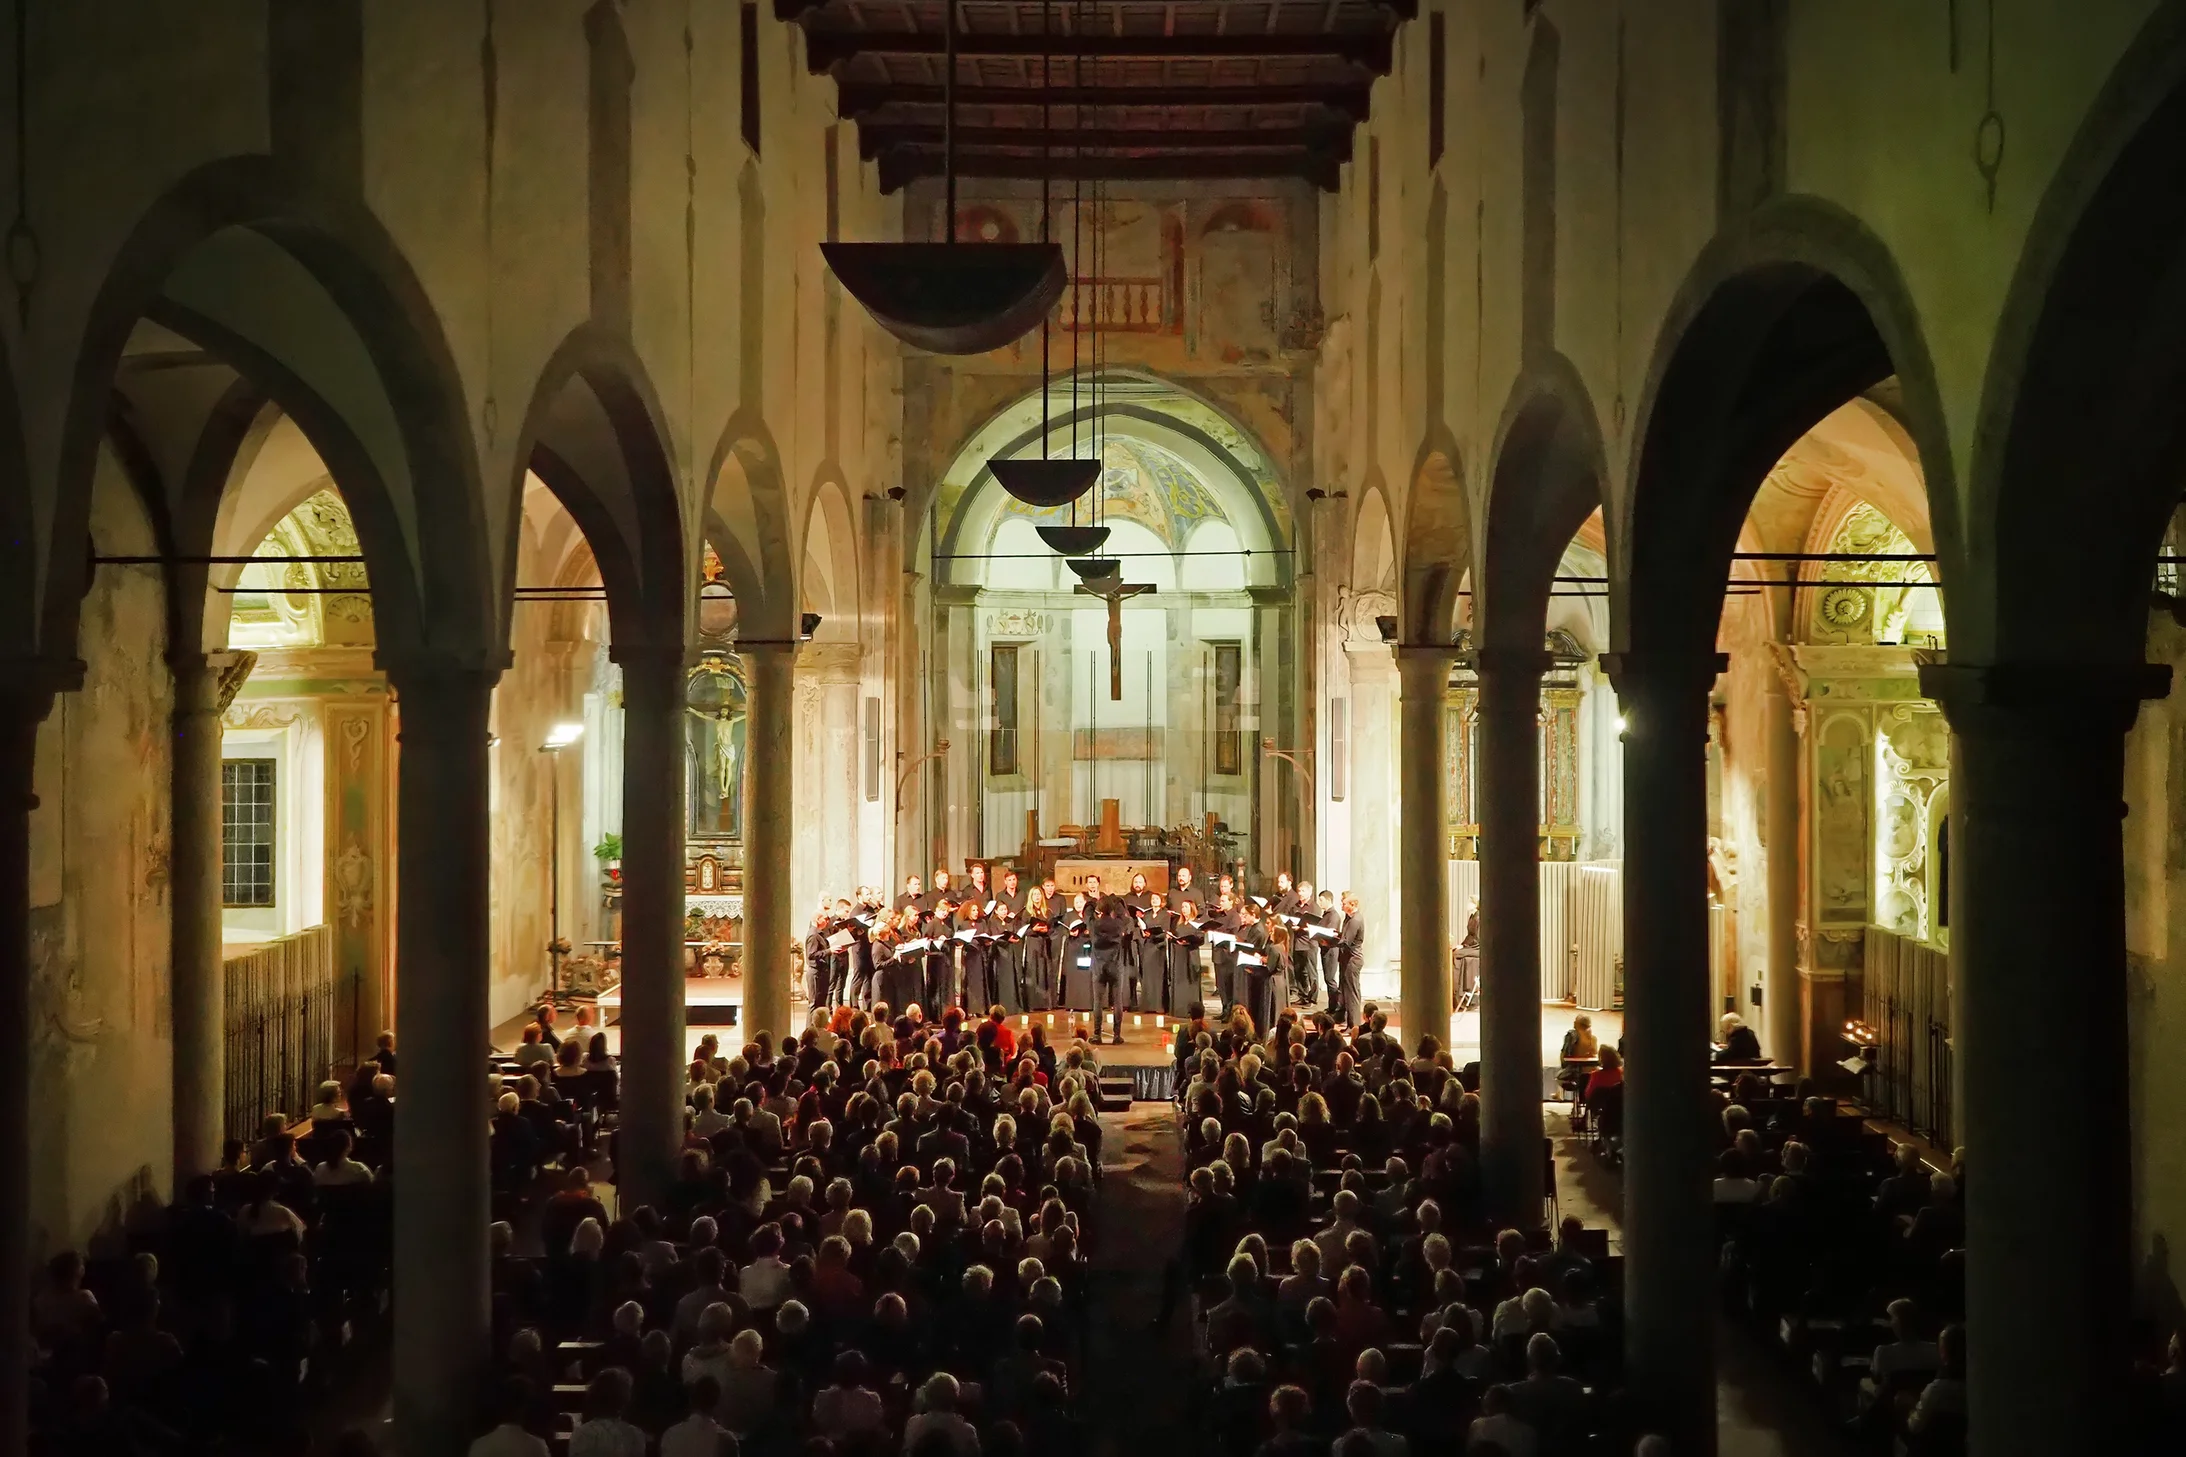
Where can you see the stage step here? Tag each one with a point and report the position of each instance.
(1118, 1088)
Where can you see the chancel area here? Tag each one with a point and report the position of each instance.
(1001, 726)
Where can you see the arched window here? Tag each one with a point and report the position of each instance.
(714, 739)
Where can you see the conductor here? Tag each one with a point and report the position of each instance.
(1111, 963)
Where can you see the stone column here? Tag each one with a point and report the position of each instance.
(443, 943)
(2038, 947)
(1510, 931)
(1374, 805)
(197, 974)
(1781, 1011)
(770, 921)
(1423, 857)
(23, 706)
(1669, 1218)
(653, 1046)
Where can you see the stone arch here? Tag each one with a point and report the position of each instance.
(18, 557)
(1226, 454)
(748, 526)
(313, 302)
(1547, 479)
(595, 436)
(1438, 544)
(1373, 542)
(252, 465)
(1784, 318)
(830, 544)
(2084, 381)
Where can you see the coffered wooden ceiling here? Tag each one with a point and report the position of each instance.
(1134, 88)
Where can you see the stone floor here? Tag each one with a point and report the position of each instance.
(1763, 1409)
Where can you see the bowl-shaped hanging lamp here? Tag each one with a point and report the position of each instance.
(1092, 570)
(1054, 482)
(952, 298)
(1074, 540)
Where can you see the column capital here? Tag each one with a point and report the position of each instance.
(753, 647)
(32, 681)
(1515, 662)
(426, 671)
(444, 698)
(208, 682)
(670, 656)
(2031, 697)
(1644, 671)
(1426, 654)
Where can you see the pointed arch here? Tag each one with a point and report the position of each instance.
(1784, 317)
(595, 435)
(1547, 479)
(18, 528)
(1373, 564)
(1438, 545)
(830, 546)
(313, 302)
(2084, 383)
(748, 509)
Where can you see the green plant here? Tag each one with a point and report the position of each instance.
(609, 848)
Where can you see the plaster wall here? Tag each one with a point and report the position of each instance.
(2155, 941)
(1869, 107)
(102, 1040)
(469, 140)
(543, 686)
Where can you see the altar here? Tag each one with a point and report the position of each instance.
(1115, 874)
(708, 1001)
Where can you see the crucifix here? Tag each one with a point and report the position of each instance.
(1115, 592)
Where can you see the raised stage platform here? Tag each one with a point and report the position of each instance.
(708, 1001)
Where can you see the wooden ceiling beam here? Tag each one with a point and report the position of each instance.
(902, 165)
(792, 10)
(876, 138)
(858, 99)
(824, 49)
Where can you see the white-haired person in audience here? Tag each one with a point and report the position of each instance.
(1740, 1044)
(937, 1413)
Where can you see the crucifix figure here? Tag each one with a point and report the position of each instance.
(1115, 592)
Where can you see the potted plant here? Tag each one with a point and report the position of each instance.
(609, 853)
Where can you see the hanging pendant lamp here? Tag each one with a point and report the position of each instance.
(1047, 483)
(951, 297)
(1091, 570)
(1074, 540)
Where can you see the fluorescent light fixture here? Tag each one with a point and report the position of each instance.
(562, 735)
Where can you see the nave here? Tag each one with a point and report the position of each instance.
(1672, 511)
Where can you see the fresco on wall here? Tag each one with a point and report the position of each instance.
(1142, 483)
(1913, 756)
(306, 596)
(1840, 762)
(1879, 601)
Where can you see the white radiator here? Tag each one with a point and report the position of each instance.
(1582, 926)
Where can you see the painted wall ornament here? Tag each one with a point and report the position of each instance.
(353, 884)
